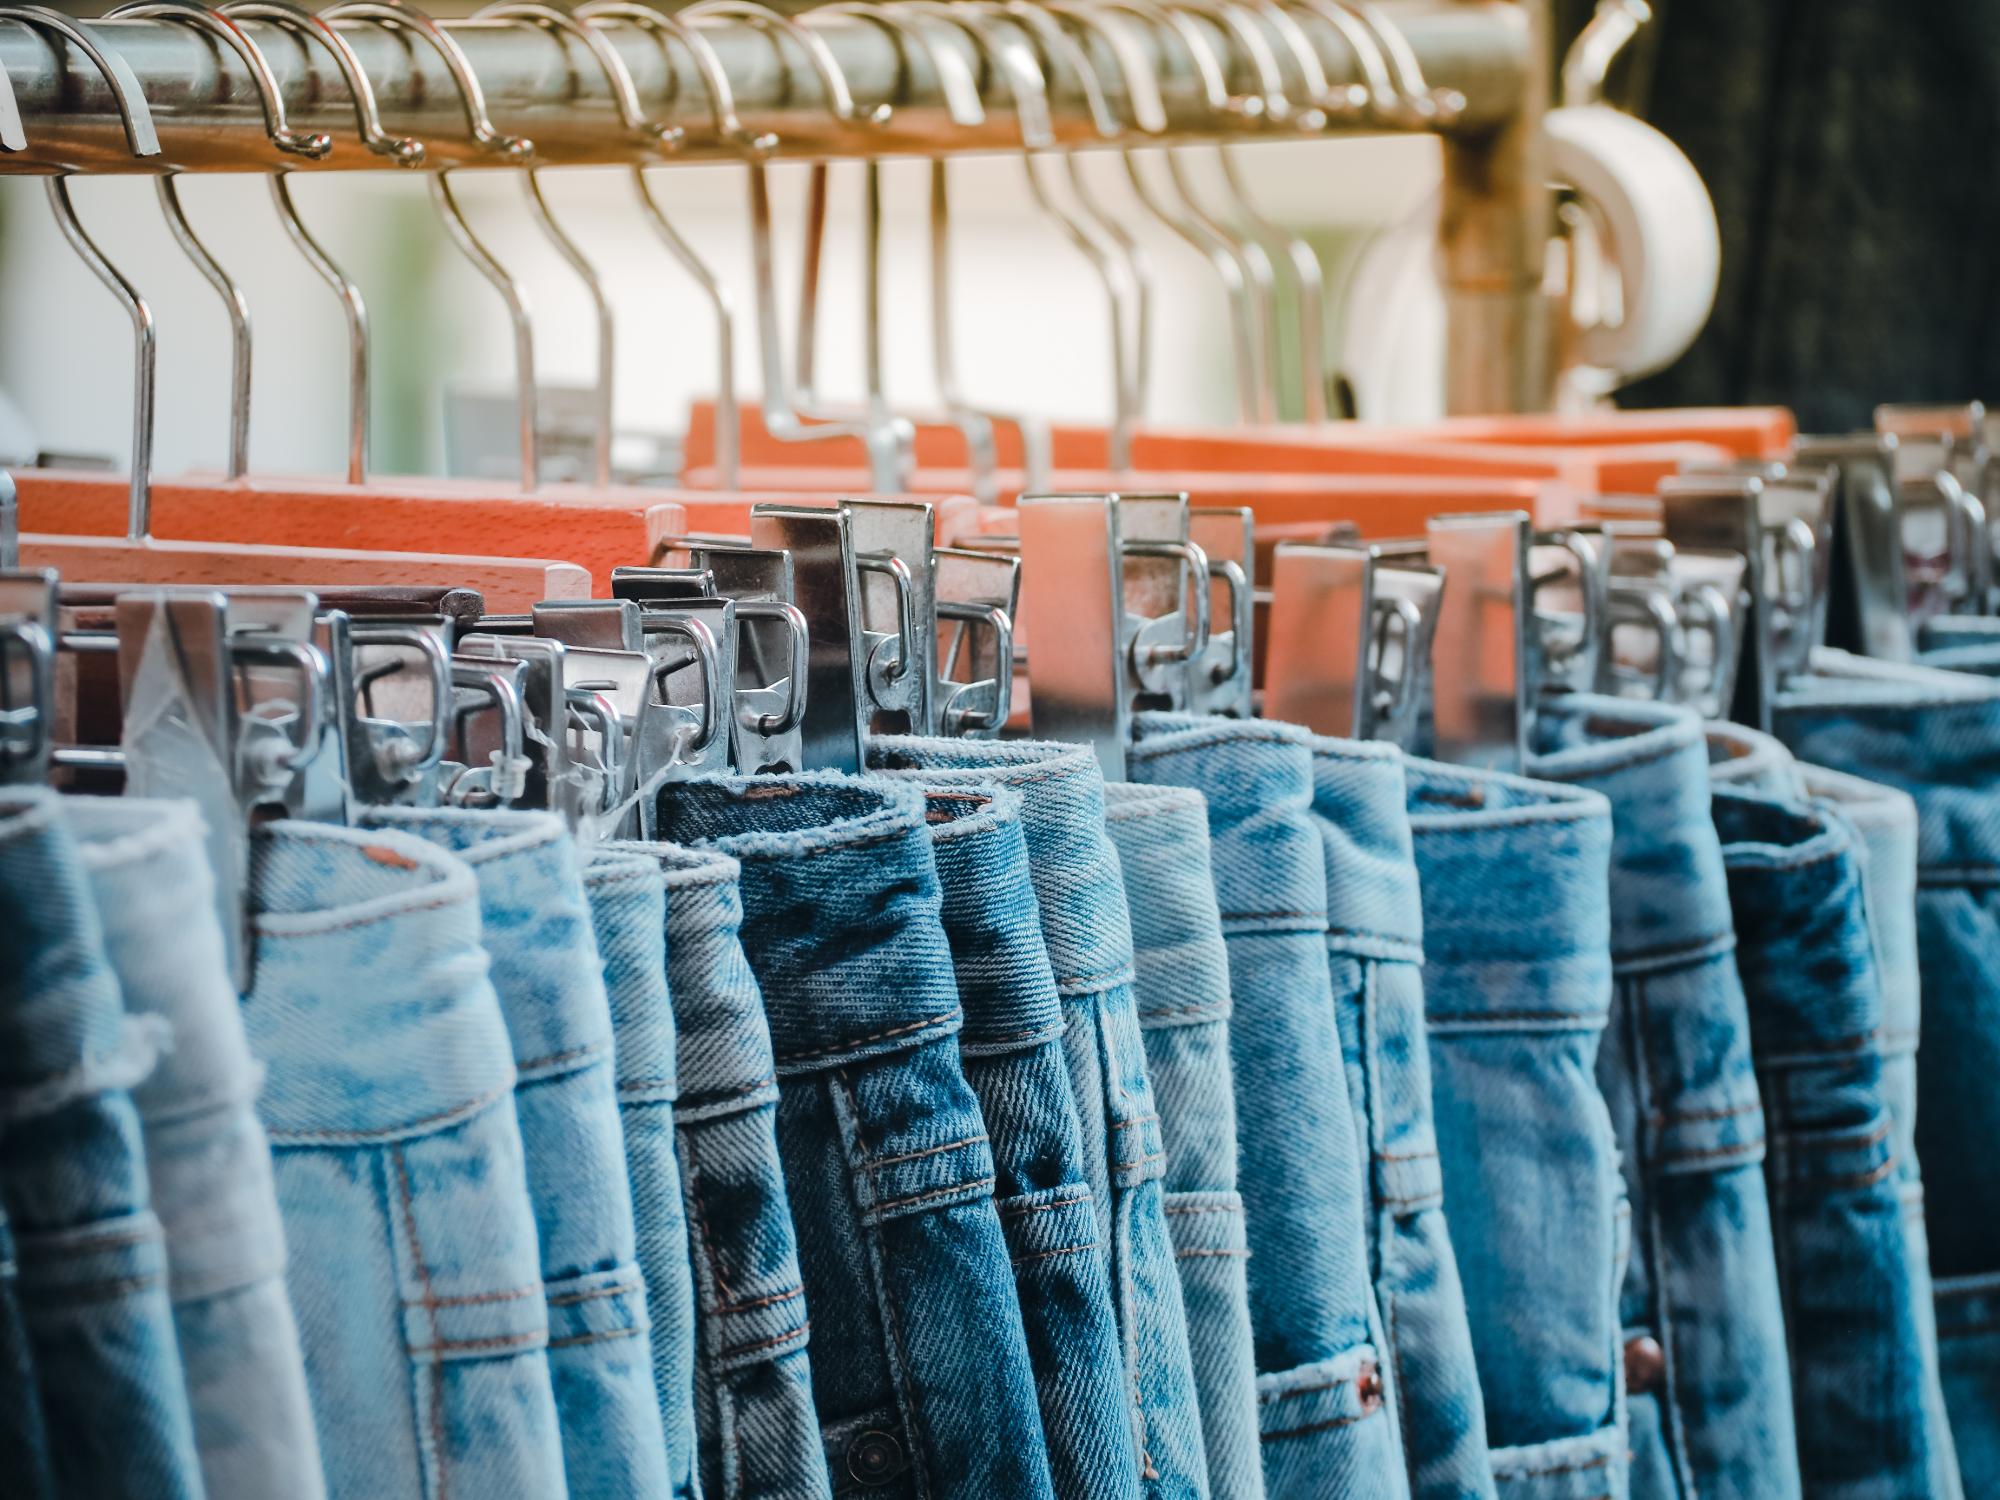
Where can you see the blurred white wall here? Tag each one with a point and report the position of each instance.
(1031, 318)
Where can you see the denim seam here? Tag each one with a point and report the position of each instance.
(570, 1299)
(1475, 820)
(1661, 1118)
(1187, 741)
(1041, 1208)
(492, 851)
(1659, 961)
(1582, 1466)
(1025, 1260)
(864, 1041)
(603, 1336)
(1086, 986)
(1858, 1044)
(1954, 875)
(476, 1299)
(587, 1053)
(596, 877)
(308, 924)
(813, 850)
(388, 1134)
(731, 1351)
(1314, 1427)
(1202, 1208)
(1627, 753)
(874, 1164)
(1167, 1016)
(975, 1185)
(1214, 1254)
(1820, 849)
(435, 1434)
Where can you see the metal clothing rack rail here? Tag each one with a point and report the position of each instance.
(1488, 59)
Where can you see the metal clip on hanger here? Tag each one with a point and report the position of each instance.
(978, 594)
(1868, 596)
(27, 674)
(1946, 480)
(1670, 622)
(1220, 677)
(889, 444)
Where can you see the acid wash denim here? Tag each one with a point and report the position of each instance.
(205, 1152)
(1517, 991)
(1011, 1050)
(1883, 825)
(920, 1368)
(1086, 928)
(1936, 736)
(389, 1101)
(628, 911)
(535, 924)
(757, 1433)
(1708, 1385)
(91, 1285)
(1182, 990)
(1851, 1305)
(1374, 946)
(1325, 1417)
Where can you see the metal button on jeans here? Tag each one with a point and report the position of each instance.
(874, 1457)
(1645, 1365)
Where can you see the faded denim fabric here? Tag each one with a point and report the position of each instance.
(757, 1433)
(1011, 1050)
(1884, 825)
(1182, 991)
(205, 1152)
(1517, 991)
(535, 924)
(1852, 1305)
(1374, 946)
(1325, 1418)
(1087, 930)
(1935, 735)
(23, 1446)
(92, 1263)
(628, 910)
(920, 1367)
(1709, 1387)
(389, 1101)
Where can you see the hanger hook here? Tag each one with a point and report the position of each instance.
(403, 150)
(526, 401)
(618, 77)
(399, 14)
(1380, 88)
(235, 305)
(354, 311)
(661, 25)
(825, 66)
(310, 144)
(141, 139)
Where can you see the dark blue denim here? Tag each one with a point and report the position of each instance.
(389, 1102)
(1326, 1421)
(24, 1447)
(920, 1367)
(1883, 823)
(628, 911)
(1086, 928)
(1936, 736)
(92, 1277)
(1012, 1053)
(1852, 1306)
(535, 924)
(1374, 945)
(1182, 990)
(757, 1433)
(1710, 1390)
(206, 1154)
(1517, 990)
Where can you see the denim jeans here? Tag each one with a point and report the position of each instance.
(1374, 946)
(1182, 990)
(205, 1152)
(91, 1257)
(1936, 736)
(757, 1433)
(920, 1367)
(628, 911)
(389, 1101)
(1517, 991)
(1852, 1305)
(24, 1448)
(1709, 1388)
(1883, 823)
(535, 924)
(1011, 1050)
(1325, 1421)
(1087, 931)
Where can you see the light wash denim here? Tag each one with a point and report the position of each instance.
(91, 1256)
(1883, 824)
(1517, 991)
(535, 924)
(1087, 931)
(920, 1366)
(24, 1448)
(1935, 735)
(1374, 946)
(1852, 1306)
(1325, 1414)
(1182, 991)
(209, 1162)
(389, 1101)
(628, 910)
(1709, 1387)
(757, 1433)
(1011, 1050)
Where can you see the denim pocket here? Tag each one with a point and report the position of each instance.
(1326, 1431)
(1212, 1250)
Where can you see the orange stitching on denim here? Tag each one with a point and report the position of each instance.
(430, 1305)
(595, 1049)
(943, 1192)
(771, 1343)
(1042, 1208)
(1406, 1156)
(863, 1041)
(1135, 1121)
(770, 1301)
(622, 1289)
(1024, 1260)
(875, 1163)
(503, 1341)
(1712, 1153)
(474, 1299)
